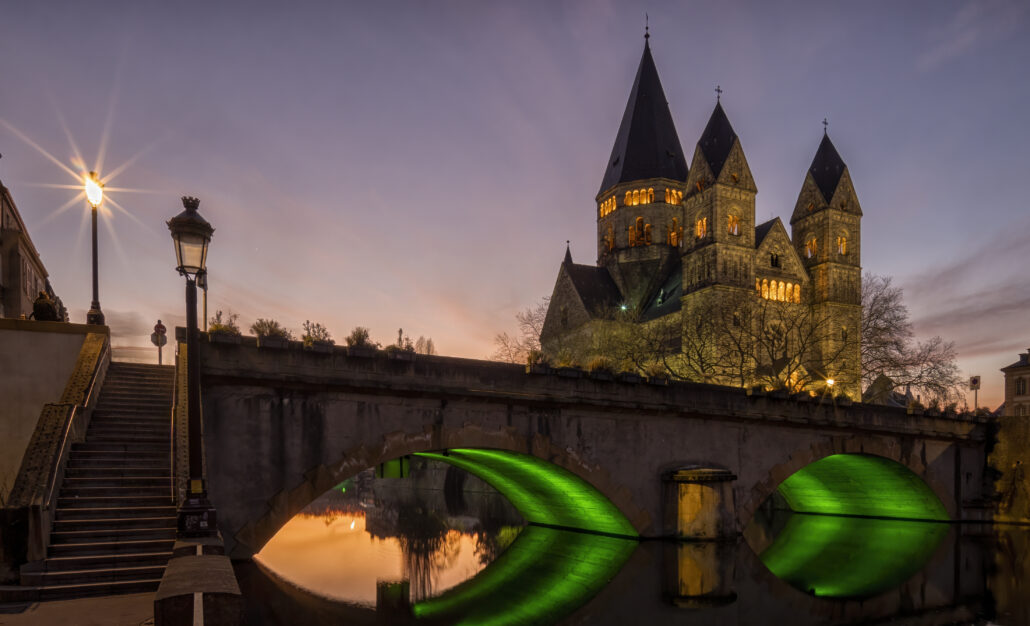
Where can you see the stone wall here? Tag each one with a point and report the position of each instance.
(36, 361)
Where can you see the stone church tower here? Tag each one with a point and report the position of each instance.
(674, 240)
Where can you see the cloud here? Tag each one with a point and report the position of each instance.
(974, 22)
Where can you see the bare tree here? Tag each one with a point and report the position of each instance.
(515, 348)
(425, 345)
(889, 346)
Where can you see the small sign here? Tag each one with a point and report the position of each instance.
(159, 328)
(974, 383)
(158, 339)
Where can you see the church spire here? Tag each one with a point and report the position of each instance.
(717, 138)
(646, 145)
(827, 167)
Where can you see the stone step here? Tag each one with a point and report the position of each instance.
(120, 535)
(68, 592)
(142, 394)
(163, 424)
(121, 472)
(107, 513)
(156, 462)
(93, 576)
(103, 561)
(89, 455)
(122, 501)
(130, 436)
(86, 482)
(113, 524)
(122, 446)
(116, 492)
(123, 412)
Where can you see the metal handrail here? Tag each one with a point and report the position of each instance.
(55, 464)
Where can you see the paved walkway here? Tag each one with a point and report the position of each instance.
(128, 610)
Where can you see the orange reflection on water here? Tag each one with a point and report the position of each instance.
(332, 555)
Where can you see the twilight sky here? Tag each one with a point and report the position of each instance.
(421, 164)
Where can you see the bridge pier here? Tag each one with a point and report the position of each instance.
(699, 501)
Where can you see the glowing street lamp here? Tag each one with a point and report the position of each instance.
(94, 197)
(830, 382)
(191, 234)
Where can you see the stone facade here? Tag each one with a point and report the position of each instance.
(22, 274)
(681, 249)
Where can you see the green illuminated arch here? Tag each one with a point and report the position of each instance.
(863, 485)
(542, 492)
(544, 576)
(850, 557)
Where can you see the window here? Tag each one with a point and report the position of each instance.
(811, 247)
(842, 245)
(1020, 386)
(734, 225)
(701, 228)
(797, 294)
(673, 196)
(607, 206)
(639, 196)
(675, 234)
(843, 333)
(774, 260)
(639, 233)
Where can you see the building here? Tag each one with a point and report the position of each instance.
(678, 247)
(22, 274)
(1017, 387)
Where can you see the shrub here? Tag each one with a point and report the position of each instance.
(601, 364)
(313, 331)
(656, 370)
(565, 358)
(537, 357)
(359, 338)
(270, 328)
(222, 323)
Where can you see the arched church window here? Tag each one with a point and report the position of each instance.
(758, 286)
(811, 247)
(797, 294)
(734, 225)
(636, 197)
(842, 245)
(774, 260)
(780, 292)
(843, 333)
(701, 228)
(647, 234)
(765, 288)
(650, 194)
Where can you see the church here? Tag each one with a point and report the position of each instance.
(678, 246)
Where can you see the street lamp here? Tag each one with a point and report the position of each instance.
(94, 197)
(191, 234)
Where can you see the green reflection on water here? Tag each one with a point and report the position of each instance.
(542, 492)
(846, 557)
(541, 578)
(858, 484)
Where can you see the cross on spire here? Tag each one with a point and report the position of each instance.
(718, 93)
(826, 126)
(647, 28)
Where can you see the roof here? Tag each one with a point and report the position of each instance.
(667, 298)
(827, 168)
(762, 230)
(1024, 361)
(717, 139)
(594, 285)
(647, 145)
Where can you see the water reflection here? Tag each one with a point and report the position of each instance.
(850, 557)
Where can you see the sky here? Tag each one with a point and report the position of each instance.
(420, 165)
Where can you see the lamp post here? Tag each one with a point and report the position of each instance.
(202, 283)
(191, 234)
(94, 197)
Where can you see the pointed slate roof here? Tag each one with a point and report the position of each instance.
(827, 168)
(762, 230)
(647, 145)
(595, 287)
(717, 139)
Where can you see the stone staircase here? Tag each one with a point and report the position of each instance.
(114, 526)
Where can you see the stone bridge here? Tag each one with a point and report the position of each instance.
(282, 426)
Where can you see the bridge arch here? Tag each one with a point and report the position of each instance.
(632, 519)
(871, 458)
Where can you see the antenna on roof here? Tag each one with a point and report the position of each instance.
(647, 27)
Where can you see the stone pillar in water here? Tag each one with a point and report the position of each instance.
(699, 504)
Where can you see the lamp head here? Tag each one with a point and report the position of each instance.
(94, 189)
(191, 234)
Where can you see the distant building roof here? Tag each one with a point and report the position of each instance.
(647, 145)
(1024, 361)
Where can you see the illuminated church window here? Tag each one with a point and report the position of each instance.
(607, 206)
(811, 247)
(765, 288)
(639, 233)
(639, 196)
(842, 245)
(701, 228)
(675, 234)
(672, 196)
(734, 225)
(779, 291)
(797, 294)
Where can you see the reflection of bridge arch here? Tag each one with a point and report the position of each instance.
(600, 497)
(893, 454)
